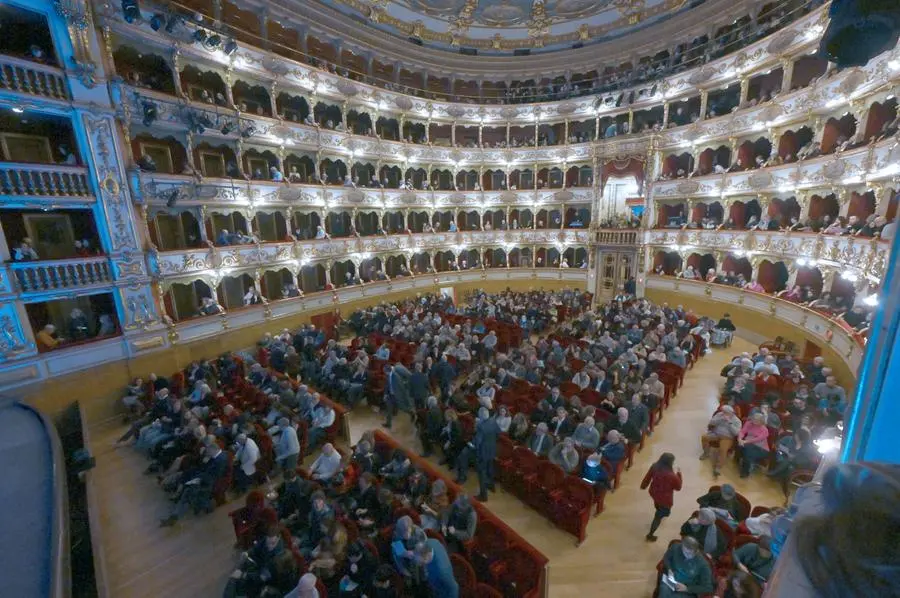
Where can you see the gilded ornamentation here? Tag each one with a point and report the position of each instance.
(12, 342)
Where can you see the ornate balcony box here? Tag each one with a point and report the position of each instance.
(864, 256)
(29, 184)
(849, 167)
(81, 357)
(254, 63)
(56, 277)
(826, 330)
(32, 79)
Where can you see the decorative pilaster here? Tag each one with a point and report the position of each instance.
(135, 300)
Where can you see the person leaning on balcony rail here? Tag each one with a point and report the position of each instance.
(25, 252)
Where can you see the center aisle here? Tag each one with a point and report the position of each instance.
(615, 559)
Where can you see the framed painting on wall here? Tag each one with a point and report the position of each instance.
(51, 235)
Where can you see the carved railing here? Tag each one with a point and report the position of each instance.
(277, 255)
(32, 78)
(158, 188)
(43, 180)
(829, 330)
(866, 257)
(618, 237)
(59, 275)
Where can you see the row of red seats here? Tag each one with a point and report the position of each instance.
(500, 558)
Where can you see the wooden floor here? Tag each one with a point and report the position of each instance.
(193, 559)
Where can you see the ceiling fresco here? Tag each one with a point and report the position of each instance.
(498, 26)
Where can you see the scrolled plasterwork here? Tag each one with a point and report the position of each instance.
(119, 216)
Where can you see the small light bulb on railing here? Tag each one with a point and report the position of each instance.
(801, 262)
(849, 276)
(871, 300)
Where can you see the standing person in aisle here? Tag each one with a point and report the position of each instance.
(663, 481)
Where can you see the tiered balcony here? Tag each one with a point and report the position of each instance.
(865, 257)
(46, 276)
(793, 40)
(34, 79)
(275, 256)
(238, 192)
(45, 181)
(830, 331)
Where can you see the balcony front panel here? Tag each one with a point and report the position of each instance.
(274, 256)
(26, 183)
(865, 257)
(845, 168)
(296, 136)
(823, 96)
(61, 276)
(159, 188)
(18, 76)
(827, 330)
(795, 39)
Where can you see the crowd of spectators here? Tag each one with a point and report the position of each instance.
(235, 422)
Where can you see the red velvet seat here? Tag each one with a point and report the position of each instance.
(515, 574)
(465, 576)
(488, 544)
(571, 505)
(224, 483)
(540, 488)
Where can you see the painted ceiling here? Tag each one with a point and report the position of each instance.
(502, 26)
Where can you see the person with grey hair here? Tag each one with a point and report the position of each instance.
(540, 442)
(565, 455)
(246, 455)
(458, 522)
(432, 557)
(586, 434)
(287, 445)
(327, 466)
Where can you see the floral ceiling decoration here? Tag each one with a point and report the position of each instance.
(493, 26)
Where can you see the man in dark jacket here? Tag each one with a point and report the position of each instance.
(486, 433)
(418, 387)
(197, 491)
(444, 373)
(432, 426)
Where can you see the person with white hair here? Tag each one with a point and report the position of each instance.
(286, 445)
(327, 465)
(721, 433)
(246, 455)
(306, 588)
(614, 449)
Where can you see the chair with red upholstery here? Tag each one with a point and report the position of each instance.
(224, 483)
(600, 491)
(482, 590)
(431, 533)
(569, 389)
(524, 467)
(489, 543)
(539, 490)
(504, 460)
(247, 519)
(571, 505)
(517, 573)
(465, 576)
(616, 472)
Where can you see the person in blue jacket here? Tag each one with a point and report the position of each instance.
(435, 561)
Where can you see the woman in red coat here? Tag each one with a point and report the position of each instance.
(663, 482)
